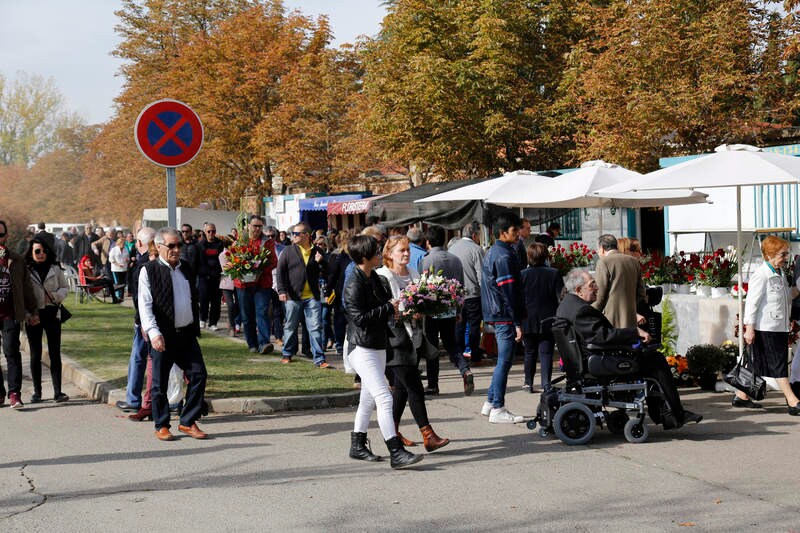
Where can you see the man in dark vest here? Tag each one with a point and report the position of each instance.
(168, 309)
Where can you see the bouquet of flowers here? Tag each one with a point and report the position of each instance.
(246, 260)
(717, 269)
(565, 259)
(658, 269)
(679, 367)
(735, 290)
(431, 295)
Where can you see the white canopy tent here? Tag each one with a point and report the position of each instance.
(729, 166)
(519, 180)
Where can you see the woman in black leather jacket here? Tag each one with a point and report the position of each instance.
(369, 308)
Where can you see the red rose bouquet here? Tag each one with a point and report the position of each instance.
(246, 260)
(576, 256)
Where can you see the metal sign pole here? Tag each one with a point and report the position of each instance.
(172, 203)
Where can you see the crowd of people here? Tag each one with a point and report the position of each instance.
(341, 290)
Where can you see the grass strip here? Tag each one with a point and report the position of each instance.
(99, 337)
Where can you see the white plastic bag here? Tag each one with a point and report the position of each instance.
(175, 385)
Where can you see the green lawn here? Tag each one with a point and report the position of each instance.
(99, 337)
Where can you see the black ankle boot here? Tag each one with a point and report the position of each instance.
(400, 457)
(359, 448)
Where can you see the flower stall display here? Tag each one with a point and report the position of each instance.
(431, 295)
(576, 255)
(716, 269)
(735, 290)
(246, 260)
(679, 367)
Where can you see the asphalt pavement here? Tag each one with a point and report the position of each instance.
(82, 466)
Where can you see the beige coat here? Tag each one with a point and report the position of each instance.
(55, 285)
(619, 288)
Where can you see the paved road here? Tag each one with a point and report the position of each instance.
(82, 467)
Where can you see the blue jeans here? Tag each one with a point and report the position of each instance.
(505, 335)
(254, 311)
(312, 310)
(136, 368)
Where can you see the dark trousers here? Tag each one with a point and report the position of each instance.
(232, 302)
(538, 346)
(119, 279)
(654, 365)
(470, 315)
(444, 328)
(277, 315)
(210, 299)
(408, 388)
(184, 351)
(51, 325)
(10, 343)
(339, 327)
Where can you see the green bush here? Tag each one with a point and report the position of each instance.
(705, 359)
(669, 331)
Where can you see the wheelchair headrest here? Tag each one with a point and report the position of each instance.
(654, 295)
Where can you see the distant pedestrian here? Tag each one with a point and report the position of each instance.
(209, 277)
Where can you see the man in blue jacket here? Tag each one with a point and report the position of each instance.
(503, 307)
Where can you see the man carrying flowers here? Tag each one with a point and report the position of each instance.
(250, 264)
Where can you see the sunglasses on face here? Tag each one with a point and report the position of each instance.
(171, 245)
(270, 235)
(38, 251)
(298, 233)
(2, 235)
(211, 231)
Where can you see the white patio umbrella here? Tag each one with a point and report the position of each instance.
(581, 189)
(519, 180)
(729, 166)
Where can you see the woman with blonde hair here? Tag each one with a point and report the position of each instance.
(120, 259)
(406, 345)
(766, 322)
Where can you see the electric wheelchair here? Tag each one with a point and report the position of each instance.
(602, 386)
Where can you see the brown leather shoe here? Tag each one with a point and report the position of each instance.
(431, 440)
(193, 431)
(164, 434)
(406, 442)
(141, 415)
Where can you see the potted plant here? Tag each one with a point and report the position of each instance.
(705, 361)
(680, 268)
(716, 271)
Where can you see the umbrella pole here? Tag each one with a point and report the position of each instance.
(739, 266)
(601, 222)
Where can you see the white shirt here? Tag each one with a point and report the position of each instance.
(182, 300)
(119, 258)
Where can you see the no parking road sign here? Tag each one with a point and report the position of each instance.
(168, 133)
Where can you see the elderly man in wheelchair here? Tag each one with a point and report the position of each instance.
(612, 376)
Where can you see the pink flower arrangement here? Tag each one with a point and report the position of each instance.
(431, 295)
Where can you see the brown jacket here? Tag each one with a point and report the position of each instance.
(21, 288)
(619, 288)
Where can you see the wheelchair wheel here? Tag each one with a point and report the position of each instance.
(635, 431)
(616, 421)
(574, 424)
(544, 432)
(531, 424)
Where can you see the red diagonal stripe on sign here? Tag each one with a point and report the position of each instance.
(170, 133)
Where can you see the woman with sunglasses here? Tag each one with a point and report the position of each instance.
(50, 288)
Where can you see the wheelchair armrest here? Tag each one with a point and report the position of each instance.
(609, 348)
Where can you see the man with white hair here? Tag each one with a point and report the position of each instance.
(168, 307)
(592, 327)
(138, 360)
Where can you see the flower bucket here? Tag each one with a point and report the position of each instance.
(682, 288)
(667, 288)
(719, 292)
(249, 277)
(703, 290)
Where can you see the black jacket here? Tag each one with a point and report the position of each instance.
(542, 287)
(337, 265)
(291, 274)
(592, 326)
(366, 302)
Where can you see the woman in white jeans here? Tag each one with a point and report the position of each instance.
(369, 308)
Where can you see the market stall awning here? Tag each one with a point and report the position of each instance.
(321, 203)
(352, 207)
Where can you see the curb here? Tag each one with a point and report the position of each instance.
(103, 391)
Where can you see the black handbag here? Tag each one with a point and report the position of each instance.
(743, 378)
(64, 313)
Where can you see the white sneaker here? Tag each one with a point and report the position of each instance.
(202, 324)
(504, 416)
(213, 327)
(486, 409)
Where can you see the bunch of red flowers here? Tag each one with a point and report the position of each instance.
(246, 260)
(716, 269)
(565, 259)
